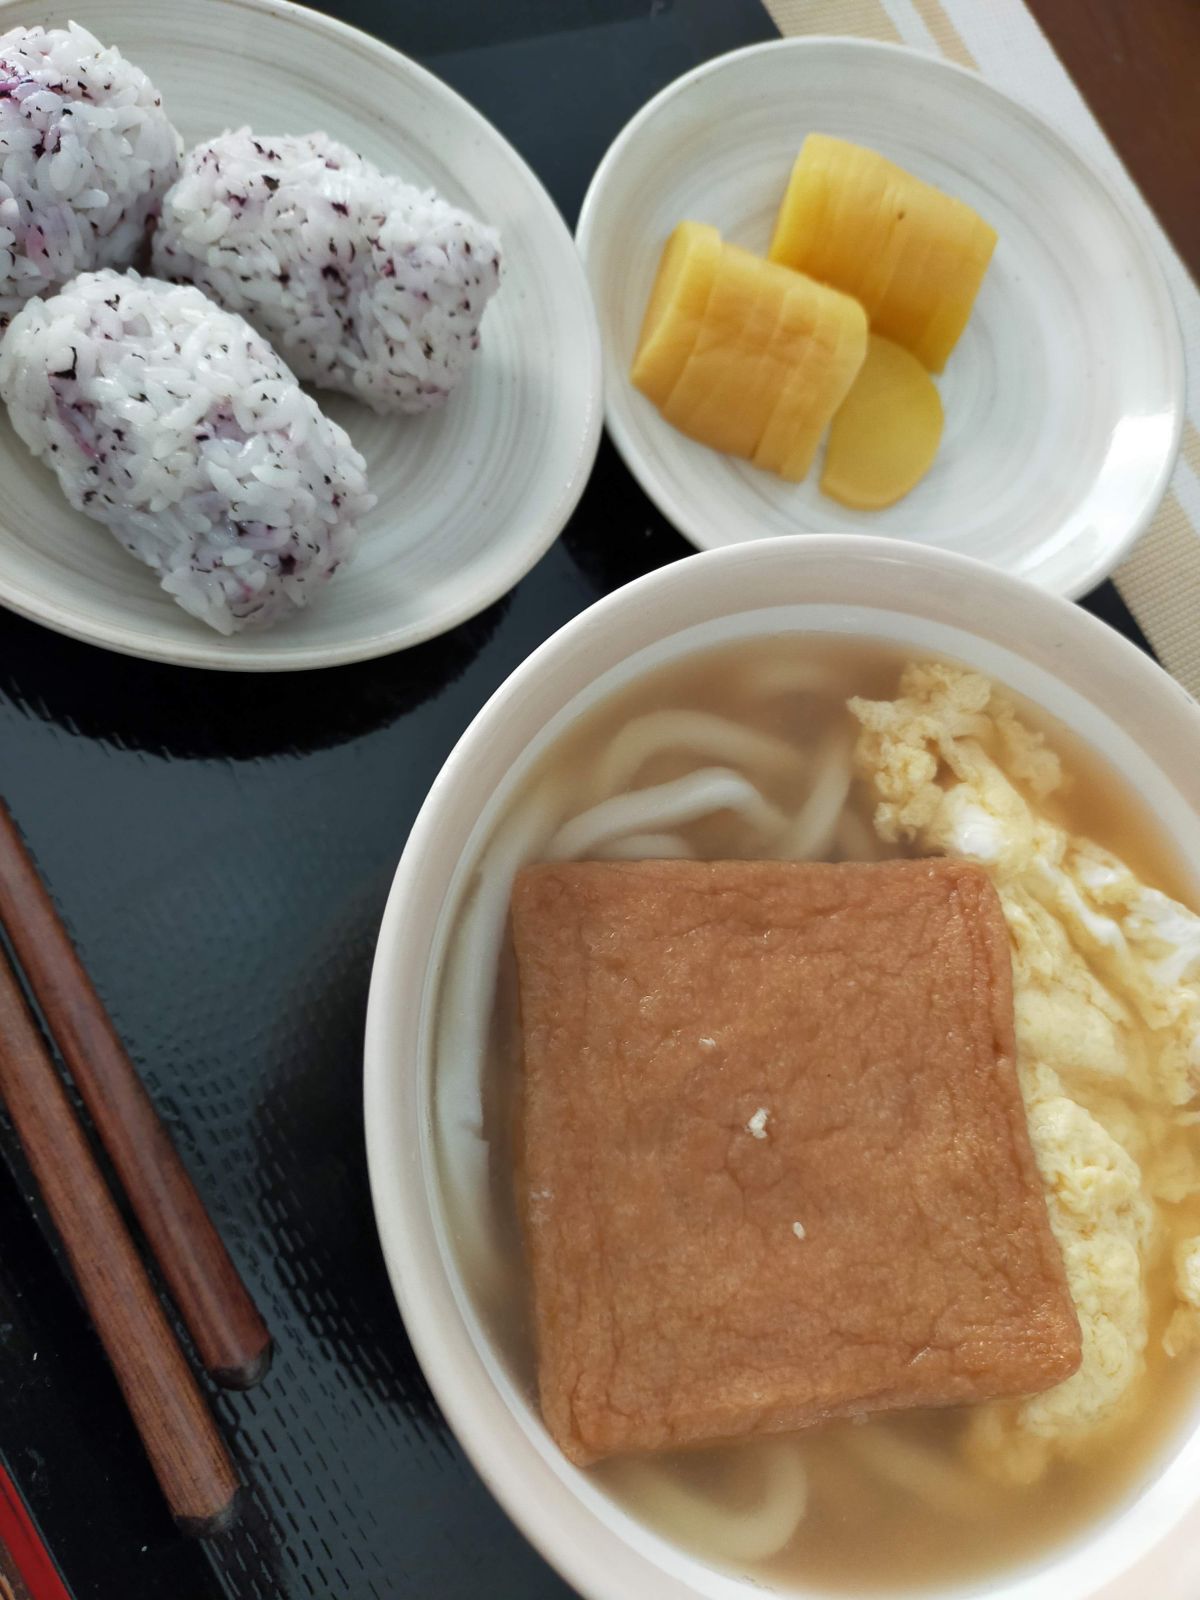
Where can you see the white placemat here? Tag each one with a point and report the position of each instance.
(1160, 581)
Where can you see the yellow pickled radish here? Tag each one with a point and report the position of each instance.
(789, 424)
(885, 436)
(676, 308)
(815, 387)
(887, 247)
(857, 226)
(757, 325)
(836, 380)
(802, 224)
(960, 275)
(914, 255)
(739, 319)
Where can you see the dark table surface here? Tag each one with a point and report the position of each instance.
(221, 849)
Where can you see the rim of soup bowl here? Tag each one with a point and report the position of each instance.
(1044, 630)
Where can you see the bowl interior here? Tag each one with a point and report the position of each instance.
(470, 496)
(435, 1216)
(1064, 396)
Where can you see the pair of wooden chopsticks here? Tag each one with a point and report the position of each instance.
(186, 1451)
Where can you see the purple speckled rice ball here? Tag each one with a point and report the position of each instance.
(175, 424)
(364, 283)
(86, 155)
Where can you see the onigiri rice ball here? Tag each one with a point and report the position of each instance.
(176, 425)
(86, 155)
(363, 282)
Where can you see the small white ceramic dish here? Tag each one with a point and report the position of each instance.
(1054, 653)
(1064, 397)
(469, 496)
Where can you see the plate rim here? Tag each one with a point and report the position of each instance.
(211, 651)
(1089, 574)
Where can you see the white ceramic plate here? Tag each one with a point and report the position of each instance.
(469, 496)
(1064, 397)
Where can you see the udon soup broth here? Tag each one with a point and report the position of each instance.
(837, 750)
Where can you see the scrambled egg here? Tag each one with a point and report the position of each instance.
(1106, 976)
(1183, 1330)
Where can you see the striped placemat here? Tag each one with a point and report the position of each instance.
(1160, 580)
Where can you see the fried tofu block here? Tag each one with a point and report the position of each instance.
(773, 1164)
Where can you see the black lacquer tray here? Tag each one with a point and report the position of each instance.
(221, 849)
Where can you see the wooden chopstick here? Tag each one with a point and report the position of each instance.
(230, 1335)
(177, 1429)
